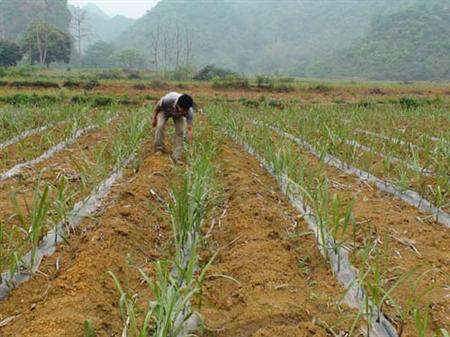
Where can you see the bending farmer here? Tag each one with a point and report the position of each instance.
(178, 107)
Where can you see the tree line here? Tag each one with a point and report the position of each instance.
(46, 40)
(41, 44)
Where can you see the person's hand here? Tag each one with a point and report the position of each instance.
(154, 122)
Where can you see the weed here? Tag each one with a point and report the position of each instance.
(408, 103)
(89, 330)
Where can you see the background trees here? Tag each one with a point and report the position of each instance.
(10, 53)
(16, 15)
(46, 44)
(130, 59)
(100, 54)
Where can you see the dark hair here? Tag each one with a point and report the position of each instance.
(185, 101)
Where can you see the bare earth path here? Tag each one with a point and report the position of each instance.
(265, 283)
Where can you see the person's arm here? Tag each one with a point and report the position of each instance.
(156, 111)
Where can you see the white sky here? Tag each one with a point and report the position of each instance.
(129, 8)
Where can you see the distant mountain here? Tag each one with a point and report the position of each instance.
(253, 36)
(412, 43)
(100, 27)
(95, 11)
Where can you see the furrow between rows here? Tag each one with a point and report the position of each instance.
(343, 270)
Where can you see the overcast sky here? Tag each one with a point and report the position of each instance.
(130, 8)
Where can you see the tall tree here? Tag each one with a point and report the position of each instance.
(80, 28)
(155, 43)
(46, 44)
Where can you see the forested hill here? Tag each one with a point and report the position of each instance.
(16, 15)
(410, 44)
(255, 36)
(98, 26)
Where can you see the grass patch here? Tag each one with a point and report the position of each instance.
(231, 82)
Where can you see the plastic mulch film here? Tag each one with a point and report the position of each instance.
(409, 196)
(22, 136)
(344, 272)
(50, 241)
(46, 155)
(390, 159)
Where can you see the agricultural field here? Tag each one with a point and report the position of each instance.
(303, 208)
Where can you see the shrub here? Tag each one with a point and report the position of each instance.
(91, 84)
(10, 53)
(265, 82)
(276, 104)
(78, 99)
(22, 71)
(248, 102)
(3, 72)
(34, 84)
(102, 101)
(210, 72)
(408, 103)
(33, 99)
(70, 83)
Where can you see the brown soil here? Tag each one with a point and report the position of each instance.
(29, 148)
(278, 296)
(305, 92)
(265, 282)
(399, 230)
(64, 163)
(129, 233)
(374, 164)
(268, 279)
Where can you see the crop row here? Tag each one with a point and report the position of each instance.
(423, 167)
(60, 198)
(336, 219)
